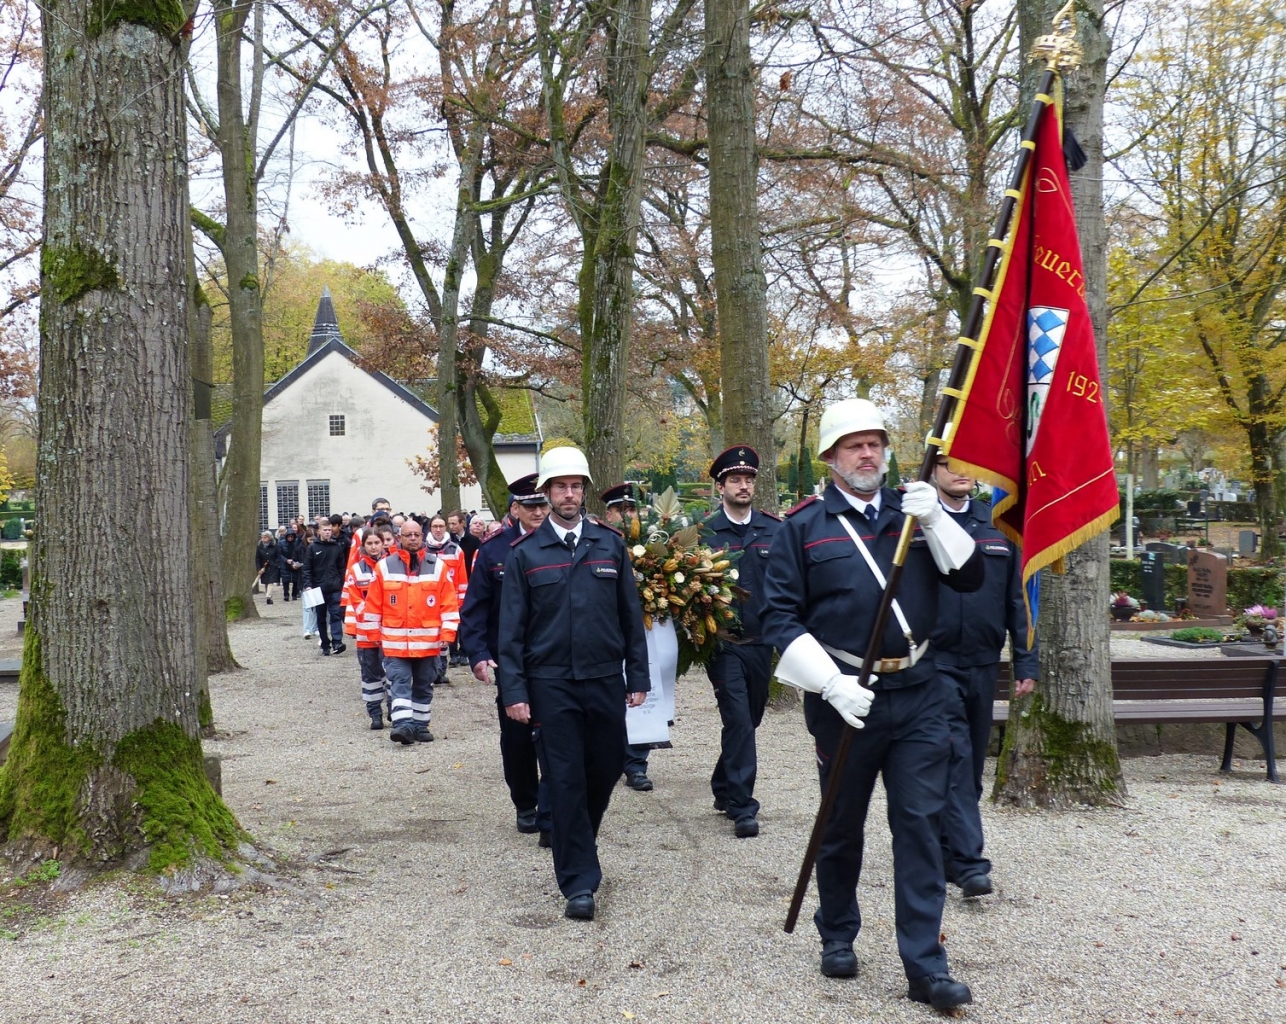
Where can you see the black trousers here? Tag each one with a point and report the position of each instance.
(739, 675)
(970, 693)
(522, 768)
(906, 741)
(579, 729)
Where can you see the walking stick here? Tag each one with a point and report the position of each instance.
(1056, 50)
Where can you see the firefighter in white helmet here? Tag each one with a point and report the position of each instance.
(569, 619)
(826, 572)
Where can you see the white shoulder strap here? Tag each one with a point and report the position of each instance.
(879, 577)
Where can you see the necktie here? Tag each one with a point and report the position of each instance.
(872, 513)
(570, 541)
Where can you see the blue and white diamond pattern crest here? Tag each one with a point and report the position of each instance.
(1045, 329)
(1046, 326)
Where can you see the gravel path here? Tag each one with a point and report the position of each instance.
(409, 895)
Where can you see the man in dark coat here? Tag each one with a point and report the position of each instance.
(480, 639)
(740, 670)
(324, 566)
(826, 574)
(569, 621)
(967, 641)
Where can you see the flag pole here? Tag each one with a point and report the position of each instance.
(1058, 50)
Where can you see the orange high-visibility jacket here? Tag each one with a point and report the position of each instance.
(412, 603)
(357, 581)
(453, 555)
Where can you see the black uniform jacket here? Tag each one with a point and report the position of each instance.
(324, 565)
(480, 616)
(565, 616)
(819, 583)
(751, 566)
(971, 627)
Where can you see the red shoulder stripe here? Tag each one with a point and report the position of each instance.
(803, 504)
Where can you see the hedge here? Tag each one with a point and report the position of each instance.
(1245, 586)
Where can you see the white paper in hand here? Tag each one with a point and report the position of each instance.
(313, 597)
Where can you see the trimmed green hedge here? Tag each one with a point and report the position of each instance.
(1245, 586)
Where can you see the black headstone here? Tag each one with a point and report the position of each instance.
(1154, 579)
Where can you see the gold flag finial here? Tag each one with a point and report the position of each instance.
(1059, 50)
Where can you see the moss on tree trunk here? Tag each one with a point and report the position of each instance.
(1051, 761)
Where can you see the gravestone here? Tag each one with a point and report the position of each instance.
(1207, 583)
(1153, 567)
(1171, 552)
(1247, 542)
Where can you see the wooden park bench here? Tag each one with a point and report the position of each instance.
(1155, 691)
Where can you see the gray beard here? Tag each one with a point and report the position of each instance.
(865, 481)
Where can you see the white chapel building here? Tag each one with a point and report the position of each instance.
(337, 435)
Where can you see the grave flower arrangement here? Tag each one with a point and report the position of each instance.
(1257, 616)
(680, 578)
(1123, 606)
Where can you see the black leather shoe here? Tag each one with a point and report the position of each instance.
(546, 839)
(720, 804)
(581, 908)
(639, 781)
(325, 652)
(339, 649)
(838, 959)
(423, 736)
(527, 822)
(404, 733)
(941, 991)
(746, 828)
(975, 885)
(377, 721)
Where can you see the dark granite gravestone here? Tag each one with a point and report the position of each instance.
(1154, 579)
(1207, 583)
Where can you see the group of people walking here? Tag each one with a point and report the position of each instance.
(548, 610)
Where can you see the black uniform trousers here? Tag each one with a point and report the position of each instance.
(579, 728)
(907, 741)
(739, 675)
(521, 768)
(971, 693)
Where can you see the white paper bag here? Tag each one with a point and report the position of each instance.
(313, 597)
(649, 723)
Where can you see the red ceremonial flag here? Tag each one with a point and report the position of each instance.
(1031, 420)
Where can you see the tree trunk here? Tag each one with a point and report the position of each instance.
(241, 255)
(1060, 746)
(739, 283)
(105, 758)
(479, 433)
(448, 383)
(608, 272)
(212, 622)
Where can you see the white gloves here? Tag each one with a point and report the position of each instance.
(853, 702)
(921, 500)
(806, 665)
(949, 543)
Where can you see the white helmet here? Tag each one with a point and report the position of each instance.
(849, 417)
(564, 461)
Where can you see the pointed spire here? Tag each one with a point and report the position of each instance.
(325, 325)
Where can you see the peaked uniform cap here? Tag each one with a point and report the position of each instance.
(740, 458)
(524, 491)
(619, 494)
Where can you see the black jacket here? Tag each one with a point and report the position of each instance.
(480, 616)
(324, 565)
(268, 561)
(752, 566)
(971, 627)
(291, 551)
(818, 583)
(570, 616)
